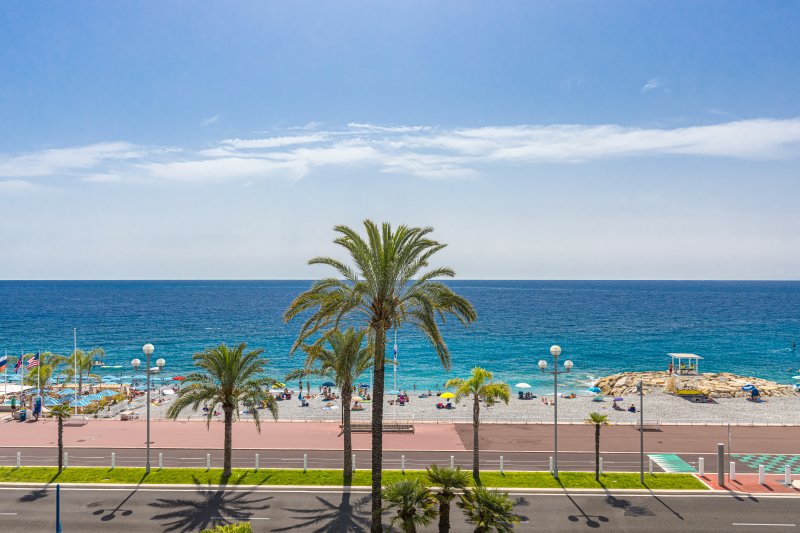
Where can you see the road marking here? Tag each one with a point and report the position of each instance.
(8, 514)
(764, 525)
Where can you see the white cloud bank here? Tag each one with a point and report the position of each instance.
(422, 151)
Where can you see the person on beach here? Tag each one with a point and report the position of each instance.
(632, 408)
(670, 369)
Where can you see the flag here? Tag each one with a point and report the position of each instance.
(3, 362)
(33, 362)
(18, 365)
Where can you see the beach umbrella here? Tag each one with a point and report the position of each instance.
(595, 390)
(66, 392)
(108, 392)
(395, 392)
(447, 395)
(168, 392)
(366, 385)
(51, 402)
(618, 399)
(178, 378)
(748, 387)
(278, 385)
(79, 403)
(522, 386)
(329, 384)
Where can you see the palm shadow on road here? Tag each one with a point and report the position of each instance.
(215, 506)
(330, 517)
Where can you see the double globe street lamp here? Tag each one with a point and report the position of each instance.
(555, 351)
(148, 350)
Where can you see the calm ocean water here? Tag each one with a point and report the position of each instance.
(603, 326)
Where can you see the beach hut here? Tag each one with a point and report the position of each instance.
(684, 363)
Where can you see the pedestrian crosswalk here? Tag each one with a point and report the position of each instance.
(669, 462)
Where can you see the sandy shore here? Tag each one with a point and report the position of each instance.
(658, 406)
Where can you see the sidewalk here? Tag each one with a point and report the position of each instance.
(748, 483)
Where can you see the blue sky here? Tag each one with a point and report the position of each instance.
(542, 139)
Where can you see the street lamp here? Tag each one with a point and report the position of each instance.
(135, 363)
(148, 351)
(160, 364)
(555, 351)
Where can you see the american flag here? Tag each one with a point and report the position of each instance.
(33, 362)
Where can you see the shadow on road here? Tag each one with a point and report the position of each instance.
(213, 507)
(330, 517)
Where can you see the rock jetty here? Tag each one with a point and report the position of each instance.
(718, 385)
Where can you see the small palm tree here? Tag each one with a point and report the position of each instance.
(345, 361)
(448, 480)
(387, 286)
(413, 501)
(481, 387)
(40, 375)
(83, 361)
(61, 412)
(488, 509)
(597, 420)
(230, 378)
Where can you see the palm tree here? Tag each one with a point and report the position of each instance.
(597, 420)
(344, 362)
(481, 387)
(230, 378)
(84, 365)
(488, 509)
(413, 501)
(449, 480)
(41, 374)
(388, 286)
(61, 412)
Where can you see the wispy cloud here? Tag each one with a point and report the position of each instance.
(210, 120)
(9, 187)
(421, 151)
(651, 85)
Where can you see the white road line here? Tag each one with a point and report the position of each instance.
(763, 525)
(8, 514)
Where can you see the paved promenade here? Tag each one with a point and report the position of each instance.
(427, 437)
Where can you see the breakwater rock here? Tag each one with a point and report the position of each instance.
(716, 385)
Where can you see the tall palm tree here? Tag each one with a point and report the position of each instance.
(480, 387)
(488, 509)
(413, 501)
(597, 420)
(344, 362)
(61, 412)
(229, 378)
(40, 375)
(449, 480)
(388, 285)
(84, 365)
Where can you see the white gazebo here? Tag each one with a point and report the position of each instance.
(683, 364)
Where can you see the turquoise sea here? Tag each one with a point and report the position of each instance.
(603, 326)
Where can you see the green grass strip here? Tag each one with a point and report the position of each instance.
(199, 476)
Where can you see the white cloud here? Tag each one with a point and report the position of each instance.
(210, 120)
(651, 85)
(8, 187)
(421, 151)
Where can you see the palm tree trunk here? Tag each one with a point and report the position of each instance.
(410, 526)
(377, 427)
(60, 444)
(476, 420)
(226, 465)
(597, 452)
(347, 395)
(444, 516)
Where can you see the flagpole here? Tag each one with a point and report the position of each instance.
(75, 362)
(39, 376)
(394, 411)
(22, 379)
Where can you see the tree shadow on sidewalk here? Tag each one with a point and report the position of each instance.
(331, 517)
(215, 506)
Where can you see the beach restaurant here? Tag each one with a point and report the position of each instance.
(684, 363)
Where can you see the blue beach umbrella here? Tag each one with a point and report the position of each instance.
(329, 384)
(108, 392)
(51, 402)
(93, 397)
(79, 403)
(66, 392)
(748, 387)
(595, 390)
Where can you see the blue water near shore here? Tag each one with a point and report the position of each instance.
(603, 326)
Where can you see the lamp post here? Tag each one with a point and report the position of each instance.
(135, 362)
(555, 351)
(160, 364)
(148, 351)
(640, 389)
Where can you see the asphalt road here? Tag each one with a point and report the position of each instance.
(135, 509)
(568, 461)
